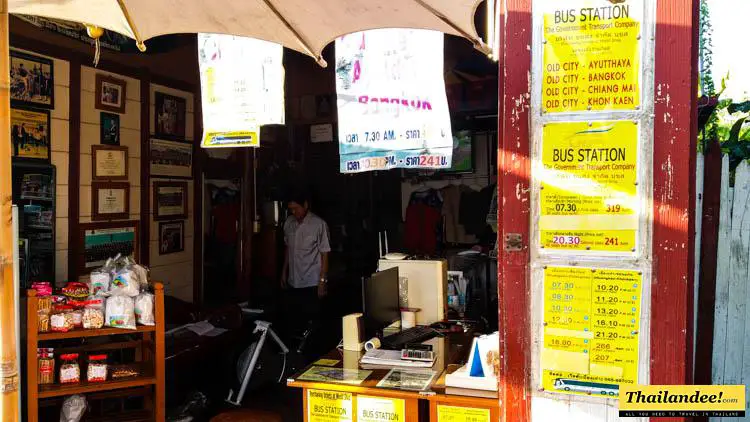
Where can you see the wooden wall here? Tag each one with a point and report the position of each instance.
(731, 341)
(175, 269)
(59, 123)
(130, 137)
(75, 127)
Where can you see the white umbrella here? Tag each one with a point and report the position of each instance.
(303, 25)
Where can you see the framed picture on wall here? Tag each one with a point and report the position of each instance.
(110, 200)
(32, 80)
(110, 93)
(103, 240)
(170, 113)
(30, 133)
(171, 158)
(171, 237)
(170, 200)
(109, 162)
(109, 126)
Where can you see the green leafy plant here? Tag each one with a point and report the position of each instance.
(706, 50)
(737, 143)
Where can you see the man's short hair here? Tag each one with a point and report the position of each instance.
(299, 197)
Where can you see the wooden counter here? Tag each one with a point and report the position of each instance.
(418, 405)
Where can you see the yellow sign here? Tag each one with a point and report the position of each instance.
(231, 139)
(462, 414)
(380, 409)
(591, 330)
(589, 181)
(682, 400)
(329, 406)
(327, 362)
(591, 55)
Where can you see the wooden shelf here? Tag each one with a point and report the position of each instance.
(94, 333)
(127, 416)
(56, 390)
(148, 342)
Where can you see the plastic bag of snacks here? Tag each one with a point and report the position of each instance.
(76, 290)
(99, 281)
(125, 283)
(141, 273)
(144, 309)
(73, 409)
(117, 372)
(97, 368)
(120, 313)
(43, 288)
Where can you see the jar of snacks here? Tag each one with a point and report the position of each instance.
(97, 369)
(46, 365)
(61, 319)
(70, 371)
(44, 304)
(44, 307)
(77, 315)
(93, 318)
(43, 322)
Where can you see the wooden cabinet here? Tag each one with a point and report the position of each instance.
(149, 347)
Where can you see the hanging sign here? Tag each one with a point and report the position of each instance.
(589, 186)
(591, 330)
(242, 88)
(329, 406)
(380, 409)
(392, 106)
(592, 51)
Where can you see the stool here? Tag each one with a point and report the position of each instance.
(247, 415)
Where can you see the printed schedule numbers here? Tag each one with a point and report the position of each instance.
(588, 196)
(462, 414)
(591, 323)
(385, 135)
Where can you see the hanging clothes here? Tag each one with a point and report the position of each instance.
(455, 232)
(473, 209)
(423, 229)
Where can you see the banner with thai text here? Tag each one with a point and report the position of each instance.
(242, 88)
(392, 106)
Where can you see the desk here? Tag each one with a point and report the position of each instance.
(422, 405)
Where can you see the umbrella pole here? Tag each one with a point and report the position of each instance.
(8, 337)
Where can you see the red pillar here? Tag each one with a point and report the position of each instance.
(514, 175)
(675, 131)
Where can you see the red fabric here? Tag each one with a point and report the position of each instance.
(226, 217)
(422, 223)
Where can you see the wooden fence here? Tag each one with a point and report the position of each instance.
(731, 341)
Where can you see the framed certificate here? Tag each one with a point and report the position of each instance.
(170, 200)
(110, 200)
(109, 162)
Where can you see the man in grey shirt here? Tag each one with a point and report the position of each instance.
(305, 272)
